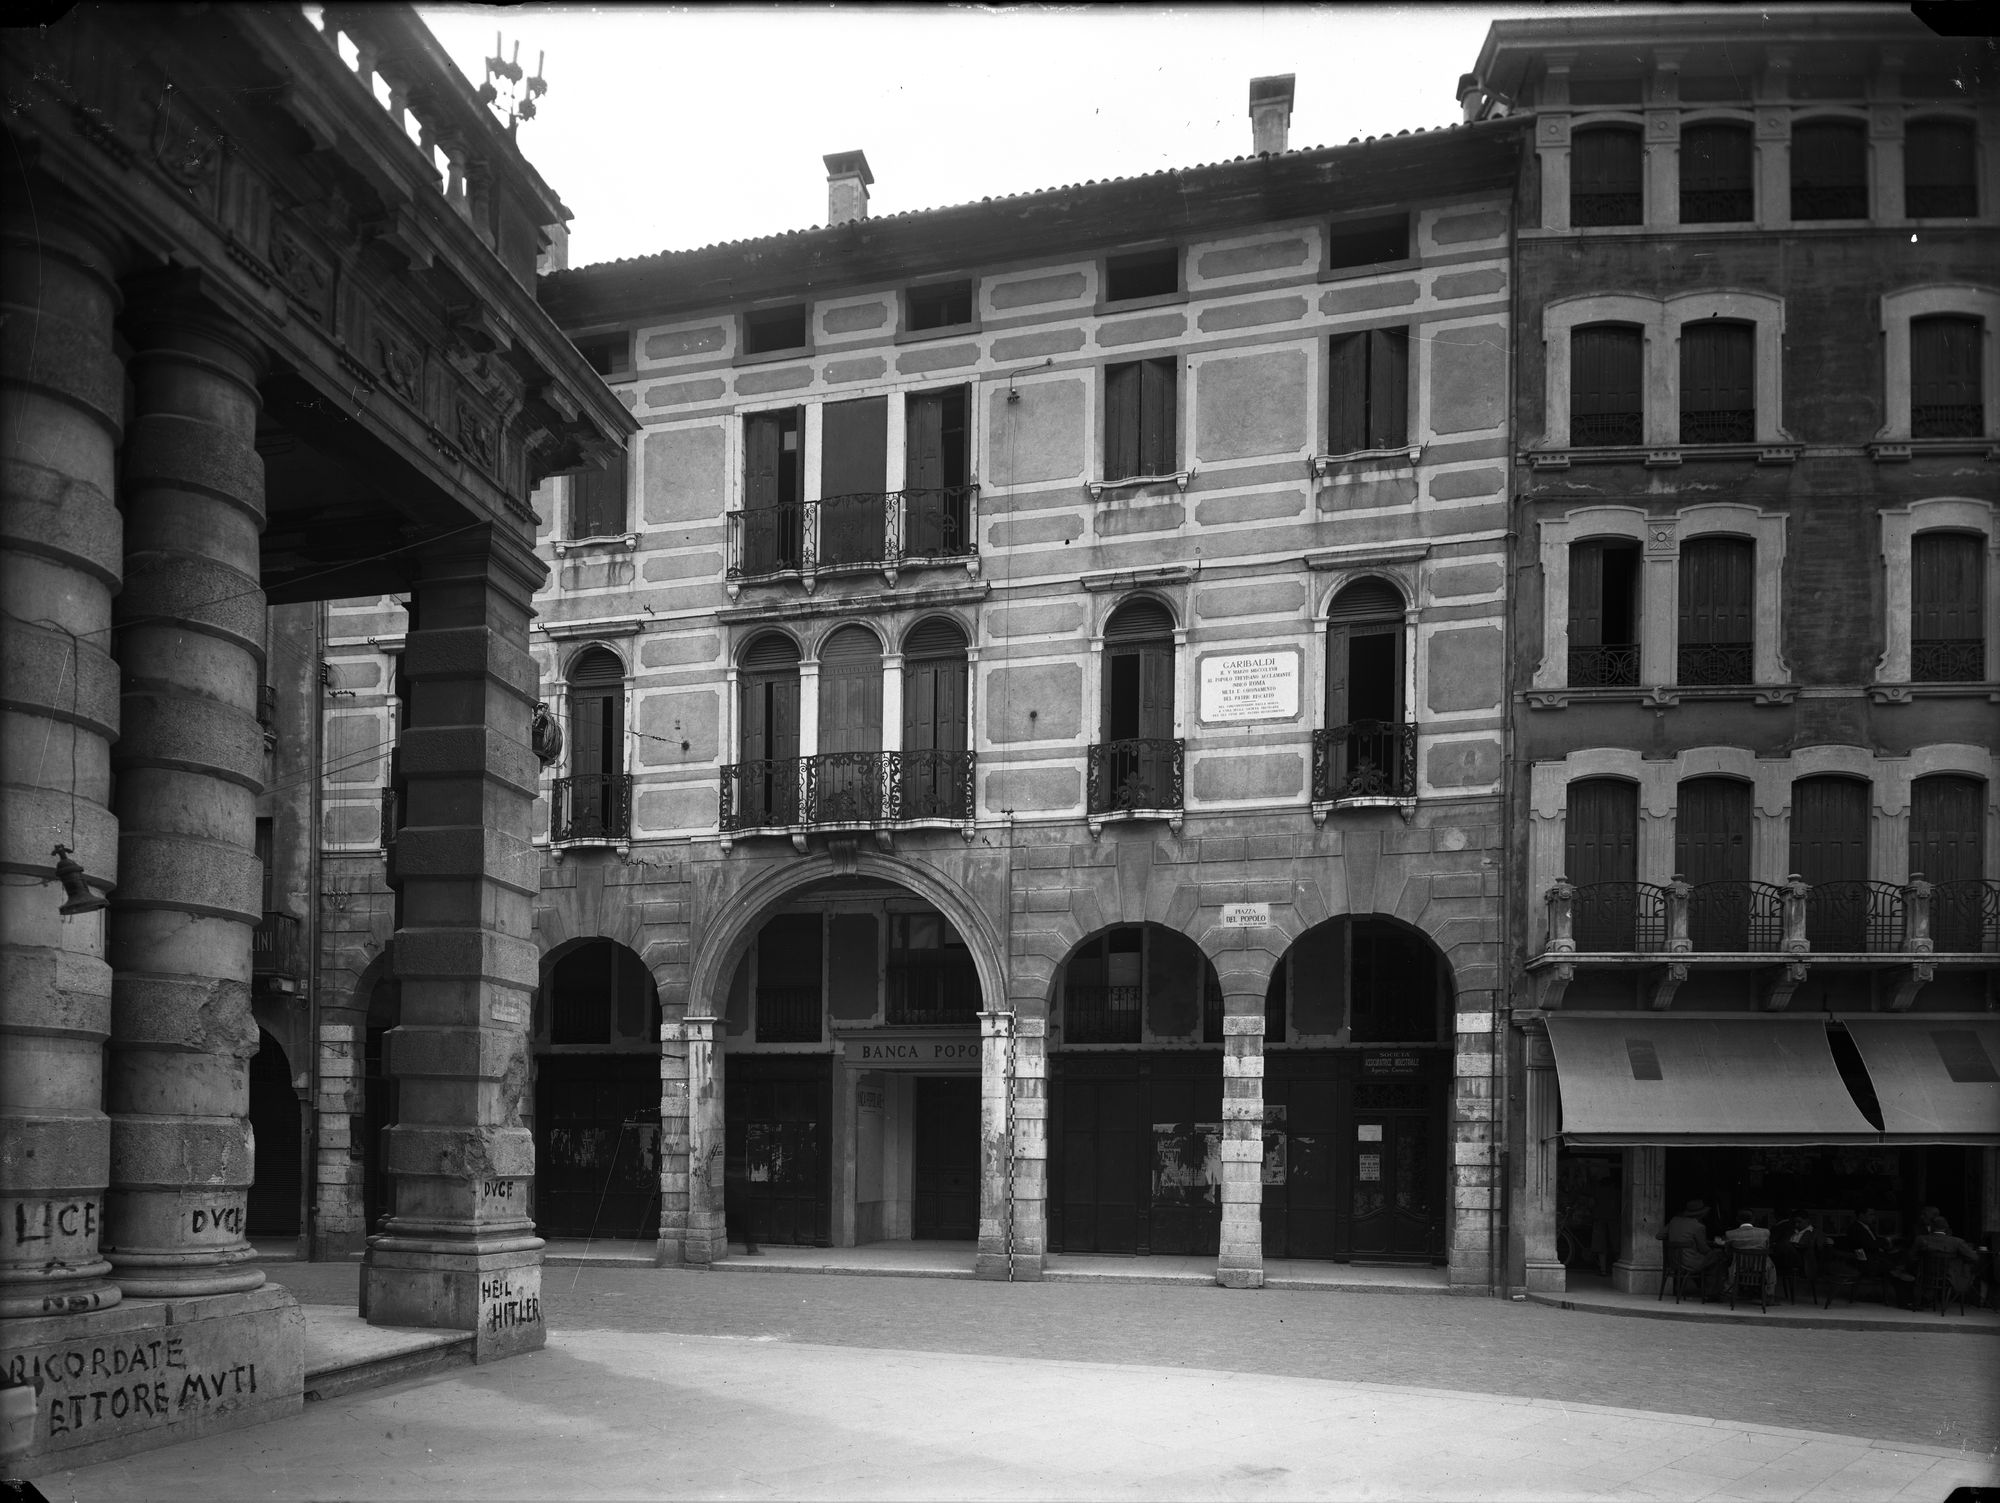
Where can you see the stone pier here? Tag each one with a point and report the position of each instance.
(1642, 1213)
(1535, 1211)
(1239, 1263)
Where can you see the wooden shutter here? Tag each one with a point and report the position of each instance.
(1940, 169)
(769, 699)
(1717, 362)
(1586, 594)
(850, 692)
(934, 705)
(1716, 589)
(1159, 453)
(1605, 160)
(1121, 422)
(597, 501)
(1601, 835)
(1947, 583)
(1347, 379)
(1156, 689)
(924, 467)
(1605, 401)
(763, 438)
(1947, 827)
(1715, 160)
(1829, 170)
(597, 713)
(1830, 830)
(1364, 658)
(1388, 387)
(1712, 830)
(1946, 392)
(854, 447)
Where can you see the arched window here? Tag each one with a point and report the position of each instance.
(1717, 610)
(1712, 854)
(1606, 176)
(1947, 607)
(1396, 988)
(847, 775)
(592, 803)
(1940, 170)
(937, 768)
(1948, 849)
(765, 788)
(1369, 748)
(1946, 395)
(1716, 173)
(1829, 170)
(1718, 382)
(1607, 404)
(1136, 763)
(1829, 852)
(1603, 613)
(1601, 858)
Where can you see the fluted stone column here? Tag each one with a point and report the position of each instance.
(189, 765)
(996, 1145)
(1643, 1213)
(705, 1241)
(61, 554)
(1240, 1262)
(1537, 1210)
(459, 1250)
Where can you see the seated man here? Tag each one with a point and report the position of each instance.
(1748, 1238)
(1964, 1256)
(1688, 1248)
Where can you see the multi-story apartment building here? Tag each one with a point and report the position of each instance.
(1753, 621)
(1030, 717)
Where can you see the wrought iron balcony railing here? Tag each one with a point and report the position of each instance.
(1715, 664)
(1940, 200)
(1604, 667)
(1736, 917)
(868, 530)
(1619, 916)
(392, 818)
(932, 989)
(1947, 420)
(1143, 773)
(1606, 430)
(1719, 425)
(788, 1014)
(1590, 209)
(1855, 917)
(274, 946)
(591, 806)
(1793, 918)
(847, 788)
(1101, 1014)
(1958, 660)
(1365, 759)
(1829, 200)
(1965, 917)
(1716, 205)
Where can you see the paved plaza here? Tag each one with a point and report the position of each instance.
(676, 1384)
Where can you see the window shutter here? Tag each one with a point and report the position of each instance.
(1718, 395)
(1829, 170)
(1121, 422)
(1605, 176)
(596, 666)
(1940, 169)
(1715, 174)
(920, 706)
(1347, 379)
(783, 734)
(771, 652)
(1388, 387)
(936, 637)
(1586, 595)
(1947, 820)
(1157, 418)
(1138, 619)
(1947, 399)
(1946, 583)
(1156, 689)
(762, 441)
(1830, 830)
(1605, 402)
(1367, 600)
(1716, 589)
(597, 506)
(924, 468)
(1711, 830)
(1338, 646)
(1601, 831)
(854, 442)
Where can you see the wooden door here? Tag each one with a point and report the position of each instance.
(1395, 1185)
(597, 1145)
(1601, 858)
(777, 1121)
(1829, 851)
(1183, 1109)
(1712, 852)
(1098, 1171)
(947, 1158)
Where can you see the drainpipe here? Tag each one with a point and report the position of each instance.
(309, 1219)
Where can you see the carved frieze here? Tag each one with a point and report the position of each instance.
(303, 275)
(401, 366)
(188, 149)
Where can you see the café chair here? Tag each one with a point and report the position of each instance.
(1844, 1273)
(1675, 1270)
(1750, 1276)
(1935, 1286)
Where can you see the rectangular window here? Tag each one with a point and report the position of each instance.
(1940, 170)
(1606, 174)
(939, 307)
(937, 469)
(773, 329)
(1140, 413)
(1601, 859)
(1718, 393)
(597, 501)
(609, 355)
(1947, 611)
(1946, 395)
(773, 492)
(1606, 407)
(1717, 592)
(853, 471)
(1145, 274)
(1830, 170)
(1368, 242)
(790, 979)
(1715, 174)
(1369, 384)
(1603, 614)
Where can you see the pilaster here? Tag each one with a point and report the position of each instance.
(1537, 1208)
(1642, 1214)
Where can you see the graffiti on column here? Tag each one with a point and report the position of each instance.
(510, 1299)
(112, 1385)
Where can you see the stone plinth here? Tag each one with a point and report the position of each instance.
(495, 1293)
(152, 1372)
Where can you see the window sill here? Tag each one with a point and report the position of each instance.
(943, 331)
(1662, 456)
(557, 849)
(1097, 822)
(1370, 269)
(1179, 478)
(1400, 457)
(1407, 807)
(1902, 450)
(1136, 304)
(1662, 696)
(774, 357)
(609, 543)
(1902, 694)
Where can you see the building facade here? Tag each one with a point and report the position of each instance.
(1030, 717)
(1756, 838)
(270, 337)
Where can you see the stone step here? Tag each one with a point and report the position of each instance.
(396, 1367)
(345, 1353)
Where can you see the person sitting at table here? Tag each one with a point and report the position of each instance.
(1748, 1238)
(1965, 1259)
(1689, 1249)
(1791, 1239)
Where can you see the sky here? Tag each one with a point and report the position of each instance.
(667, 128)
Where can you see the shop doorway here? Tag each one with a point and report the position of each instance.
(273, 1209)
(946, 1201)
(379, 1102)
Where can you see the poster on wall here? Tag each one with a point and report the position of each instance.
(1187, 1163)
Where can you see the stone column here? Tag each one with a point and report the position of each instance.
(1537, 1206)
(61, 553)
(707, 1239)
(459, 1250)
(1240, 1262)
(1644, 1212)
(189, 765)
(996, 1145)
(670, 1251)
(1031, 1140)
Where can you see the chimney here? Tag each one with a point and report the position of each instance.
(847, 180)
(1270, 113)
(1471, 96)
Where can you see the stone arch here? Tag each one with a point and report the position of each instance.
(742, 912)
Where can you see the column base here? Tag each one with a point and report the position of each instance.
(77, 1292)
(496, 1293)
(178, 1281)
(1239, 1278)
(149, 1373)
(1027, 1267)
(1635, 1278)
(1547, 1278)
